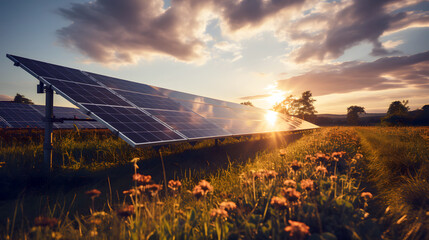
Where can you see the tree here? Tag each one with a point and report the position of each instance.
(287, 106)
(398, 108)
(397, 114)
(305, 107)
(248, 103)
(22, 99)
(353, 114)
(302, 107)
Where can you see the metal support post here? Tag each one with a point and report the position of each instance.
(49, 114)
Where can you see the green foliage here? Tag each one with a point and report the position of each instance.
(22, 99)
(302, 107)
(353, 114)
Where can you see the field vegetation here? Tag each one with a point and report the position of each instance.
(335, 183)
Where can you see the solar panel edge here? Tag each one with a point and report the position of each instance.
(5, 122)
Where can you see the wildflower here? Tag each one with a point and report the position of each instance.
(205, 186)
(291, 194)
(151, 190)
(289, 183)
(93, 193)
(137, 177)
(45, 222)
(125, 211)
(279, 203)
(132, 192)
(307, 184)
(366, 196)
(271, 174)
(143, 179)
(282, 152)
(258, 174)
(218, 212)
(228, 206)
(174, 185)
(321, 169)
(297, 230)
(296, 165)
(333, 178)
(198, 192)
(321, 157)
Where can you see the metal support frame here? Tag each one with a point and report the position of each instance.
(49, 115)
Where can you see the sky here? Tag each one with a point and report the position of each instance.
(346, 52)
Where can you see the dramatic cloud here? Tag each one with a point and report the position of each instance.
(384, 73)
(337, 26)
(125, 31)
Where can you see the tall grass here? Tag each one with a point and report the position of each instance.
(313, 188)
(398, 165)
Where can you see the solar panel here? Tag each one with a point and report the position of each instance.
(18, 115)
(178, 117)
(70, 113)
(143, 115)
(237, 118)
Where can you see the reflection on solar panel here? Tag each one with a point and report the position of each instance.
(18, 115)
(143, 115)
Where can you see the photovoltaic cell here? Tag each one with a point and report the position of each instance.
(189, 124)
(105, 104)
(144, 114)
(134, 124)
(18, 115)
(180, 118)
(116, 83)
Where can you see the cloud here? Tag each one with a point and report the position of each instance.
(112, 31)
(384, 73)
(261, 96)
(392, 44)
(123, 32)
(5, 98)
(348, 23)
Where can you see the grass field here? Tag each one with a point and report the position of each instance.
(335, 183)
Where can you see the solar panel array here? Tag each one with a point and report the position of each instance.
(18, 115)
(143, 115)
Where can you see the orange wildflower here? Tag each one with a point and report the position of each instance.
(297, 230)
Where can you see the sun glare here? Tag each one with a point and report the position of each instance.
(276, 97)
(271, 117)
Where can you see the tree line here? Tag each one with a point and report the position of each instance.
(398, 112)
